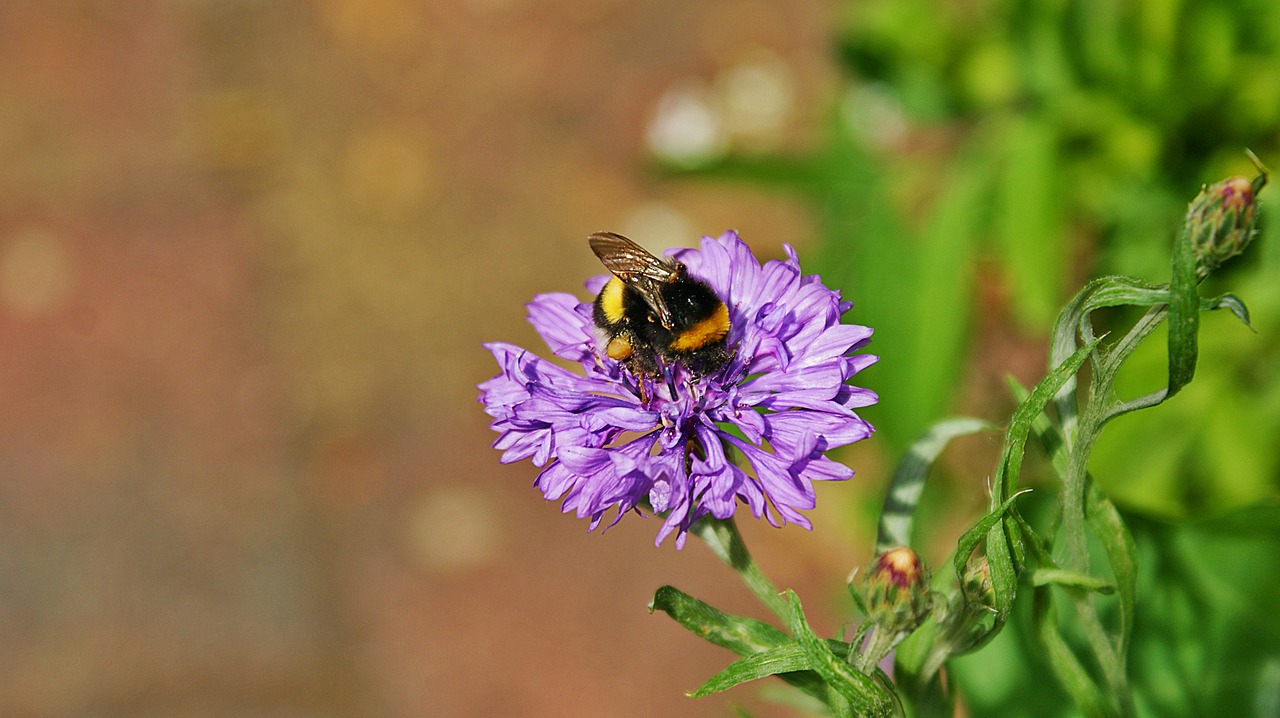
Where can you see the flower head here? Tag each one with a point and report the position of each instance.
(895, 590)
(1221, 221)
(895, 595)
(611, 439)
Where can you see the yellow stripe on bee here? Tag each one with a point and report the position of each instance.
(611, 300)
(704, 333)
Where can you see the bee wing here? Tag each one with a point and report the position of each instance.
(627, 260)
(637, 267)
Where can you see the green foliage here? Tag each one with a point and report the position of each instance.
(1204, 640)
(903, 496)
(813, 665)
(1080, 566)
(1212, 580)
(1048, 141)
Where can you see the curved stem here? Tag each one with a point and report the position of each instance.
(722, 537)
(1100, 408)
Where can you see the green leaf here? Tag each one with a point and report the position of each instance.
(737, 633)
(941, 304)
(908, 481)
(1001, 558)
(787, 658)
(1004, 546)
(971, 538)
(1107, 525)
(1070, 673)
(1111, 530)
(1074, 318)
(1117, 291)
(860, 690)
(1025, 416)
(914, 289)
(1126, 291)
(1070, 579)
(1045, 431)
(744, 636)
(783, 659)
(1231, 303)
(854, 210)
(1184, 316)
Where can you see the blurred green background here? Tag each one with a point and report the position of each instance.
(249, 250)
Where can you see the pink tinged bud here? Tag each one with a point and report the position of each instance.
(896, 590)
(1237, 194)
(1221, 222)
(899, 567)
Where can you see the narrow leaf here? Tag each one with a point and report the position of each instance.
(1184, 316)
(1070, 579)
(1116, 291)
(1231, 303)
(862, 693)
(1111, 291)
(908, 481)
(971, 538)
(744, 636)
(783, 659)
(1004, 547)
(737, 633)
(1004, 570)
(787, 658)
(1066, 667)
(944, 267)
(1045, 431)
(1025, 415)
(1028, 221)
(1117, 542)
(1227, 301)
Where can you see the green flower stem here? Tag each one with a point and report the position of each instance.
(1100, 408)
(878, 645)
(958, 637)
(722, 537)
(1149, 321)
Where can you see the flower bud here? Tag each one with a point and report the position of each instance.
(1220, 222)
(896, 590)
(976, 583)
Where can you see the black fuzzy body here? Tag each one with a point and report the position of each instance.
(690, 303)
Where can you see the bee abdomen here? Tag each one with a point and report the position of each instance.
(703, 333)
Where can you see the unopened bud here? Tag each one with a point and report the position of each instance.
(976, 583)
(1221, 222)
(896, 590)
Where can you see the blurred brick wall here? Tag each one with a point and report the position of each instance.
(248, 252)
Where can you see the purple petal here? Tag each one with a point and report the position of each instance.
(779, 484)
(567, 333)
(786, 430)
(610, 440)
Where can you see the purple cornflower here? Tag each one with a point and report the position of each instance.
(611, 439)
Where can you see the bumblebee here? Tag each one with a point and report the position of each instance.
(652, 313)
